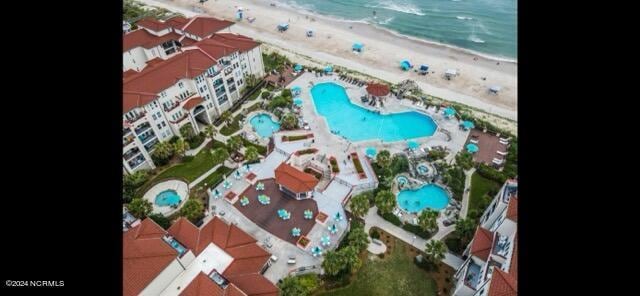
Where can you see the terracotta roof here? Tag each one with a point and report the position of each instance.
(128, 73)
(145, 39)
(294, 179)
(242, 43)
(191, 103)
(502, 284)
(186, 41)
(214, 48)
(158, 77)
(202, 285)
(133, 99)
(145, 255)
(253, 284)
(205, 26)
(482, 243)
(176, 22)
(513, 267)
(377, 89)
(152, 24)
(512, 210)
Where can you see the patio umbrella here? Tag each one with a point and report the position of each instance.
(357, 46)
(316, 251)
(325, 240)
(412, 145)
(295, 231)
(308, 214)
(405, 65)
(297, 67)
(449, 111)
(371, 152)
(328, 69)
(473, 148)
(333, 229)
(260, 186)
(338, 217)
(468, 124)
(297, 102)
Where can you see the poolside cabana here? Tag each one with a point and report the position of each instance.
(494, 89)
(328, 69)
(378, 89)
(405, 65)
(467, 125)
(357, 47)
(283, 27)
(309, 32)
(450, 73)
(472, 148)
(424, 69)
(449, 112)
(371, 152)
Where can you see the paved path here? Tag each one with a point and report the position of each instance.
(203, 176)
(465, 194)
(372, 219)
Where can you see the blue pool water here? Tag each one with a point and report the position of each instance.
(422, 169)
(428, 196)
(167, 198)
(264, 125)
(402, 180)
(176, 245)
(357, 123)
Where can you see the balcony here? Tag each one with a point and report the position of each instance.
(501, 246)
(171, 107)
(151, 144)
(142, 128)
(131, 153)
(147, 136)
(473, 276)
(127, 140)
(136, 118)
(183, 117)
(126, 131)
(136, 161)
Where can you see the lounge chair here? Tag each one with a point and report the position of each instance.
(501, 153)
(474, 141)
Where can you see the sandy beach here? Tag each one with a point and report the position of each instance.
(383, 51)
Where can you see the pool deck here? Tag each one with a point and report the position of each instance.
(181, 188)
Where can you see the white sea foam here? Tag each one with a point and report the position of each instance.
(464, 17)
(476, 39)
(404, 7)
(387, 21)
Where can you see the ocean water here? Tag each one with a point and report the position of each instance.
(485, 26)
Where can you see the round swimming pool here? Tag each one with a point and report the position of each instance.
(167, 198)
(422, 168)
(264, 125)
(428, 196)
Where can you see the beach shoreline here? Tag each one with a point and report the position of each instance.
(383, 51)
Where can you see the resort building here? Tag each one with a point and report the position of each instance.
(294, 183)
(215, 259)
(180, 85)
(491, 266)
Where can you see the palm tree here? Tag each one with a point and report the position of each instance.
(360, 204)
(251, 153)
(333, 262)
(280, 69)
(358, 238)
(140, 207)
(384, 159)
(289, 121)
(193, 209)
(465, 228)
(235, 143)
(350, 258)
(219, 155)
(181, 146)
(227, 117)
(427, 220)
(385, 201)
(210, 132)
(435, 251)
(162, 153)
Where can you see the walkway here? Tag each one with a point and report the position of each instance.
(373, 219)
(466, 192)
(203, 176)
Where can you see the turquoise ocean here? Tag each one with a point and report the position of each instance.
(485, 26)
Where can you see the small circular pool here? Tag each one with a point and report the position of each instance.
(428, 196)
(167, 198)
(422, 168)
(402, 180)
(264, 125)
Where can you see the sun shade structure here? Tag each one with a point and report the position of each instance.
(295, 231)
(412, 145)
(357, 47)
(468, 124)
(449, 111)
(308, 214)
(316, 251)
(472, 148)
(378, 89)
(297, 67)
(328, 69)
(371, 152)
(405, 65)
(325, 240)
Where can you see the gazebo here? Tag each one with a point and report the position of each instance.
(357, 47)
(472, 148)
(378, 89)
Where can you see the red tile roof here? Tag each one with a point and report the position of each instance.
(294, 179)
(142, 38)
(215, 48)
(502, 284)
(512, 210)
(377, 89)
(176, 22)
(242, 43)
(482, 243)
(145, 255)
(202, 285)
(187, 41)
(128, 73)
(133, 99)
(513, 267)
(205, 26)
(191, 103)
(152, 24)
(253, 284)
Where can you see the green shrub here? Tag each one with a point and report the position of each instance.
(415, 229)
(286, 93)
(187, 158)
(174, 139)
(375, 234)
(399, 164)
(266, 95)
(357, 164)
(391, 218)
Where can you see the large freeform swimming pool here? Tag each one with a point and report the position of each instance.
(264, 125)
(357, 124)
(428, 196)
(167, 198)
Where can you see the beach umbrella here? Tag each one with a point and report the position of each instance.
(468, 124)
(449, 111)
(473, 148)
(328, 69)
(371, 152)
(412, 145)
(358, 46)
(405, 65)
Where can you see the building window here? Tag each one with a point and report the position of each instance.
(158, 114)
(159, 126)
(154, 116)
(180, 84)
(164, 124)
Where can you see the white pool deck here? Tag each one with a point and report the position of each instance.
(181, 188)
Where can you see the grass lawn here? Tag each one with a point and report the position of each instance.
(396, 274)
(215, 177)
(261, 149)
(233, 127)
(480, 186)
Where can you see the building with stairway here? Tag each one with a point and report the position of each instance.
(177, 73)
(491, 268)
